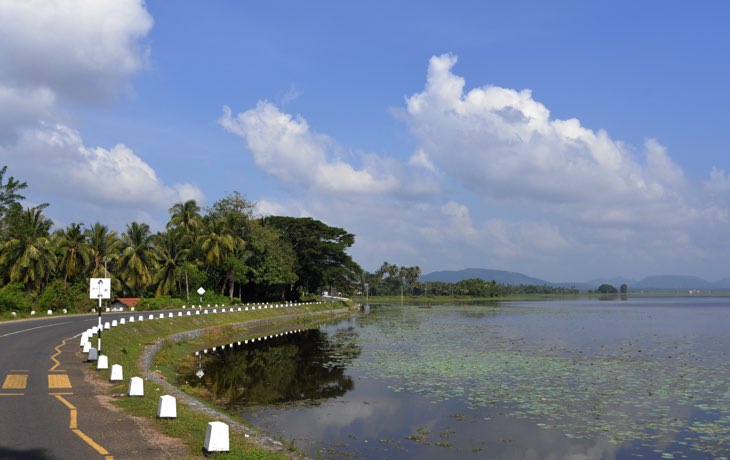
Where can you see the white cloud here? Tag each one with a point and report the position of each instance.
(288, 150)
(81, 50)
(420, 159)
(502, 144)
(98, 176)
(57, 54)
(494, 181)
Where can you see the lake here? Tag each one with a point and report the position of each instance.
(579, 379)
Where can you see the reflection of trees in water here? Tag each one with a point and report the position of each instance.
(307, 365)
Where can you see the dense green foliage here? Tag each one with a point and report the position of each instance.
(607, 289)
(224, 248)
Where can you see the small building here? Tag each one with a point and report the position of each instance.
(124, 303)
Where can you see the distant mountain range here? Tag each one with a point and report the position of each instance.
(657, 282)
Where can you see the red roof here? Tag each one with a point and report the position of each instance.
(129, 301)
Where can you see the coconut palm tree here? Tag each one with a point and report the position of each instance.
(104, 246)
(218, 245)
(27, 256)
(170, 256)
(137, 261)
(186, 217)
(73, 251)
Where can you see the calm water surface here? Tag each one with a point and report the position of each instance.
(645, 378)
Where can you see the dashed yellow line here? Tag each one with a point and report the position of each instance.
(73, 425)
(61, 381)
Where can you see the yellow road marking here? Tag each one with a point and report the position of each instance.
(58, 352)
(15, 382)
(57, 381)
(12, 394)
(65, 402)
(73, 425)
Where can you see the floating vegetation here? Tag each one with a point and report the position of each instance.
(656, 389)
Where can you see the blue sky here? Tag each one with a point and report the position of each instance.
(565, 140)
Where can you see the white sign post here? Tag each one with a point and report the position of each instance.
(201, 291)
(100, 288)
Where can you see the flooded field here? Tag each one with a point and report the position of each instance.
(645, 378)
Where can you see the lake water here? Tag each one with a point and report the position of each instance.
(578, 379)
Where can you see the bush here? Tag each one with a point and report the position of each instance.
(13, 298)
(158, 303)
(59, 295)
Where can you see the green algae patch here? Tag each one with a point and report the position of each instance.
(659, 391)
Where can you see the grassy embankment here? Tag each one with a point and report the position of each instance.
(125, 345)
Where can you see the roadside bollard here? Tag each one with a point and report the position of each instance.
(167, 407)
(216, 437)
(136, 386)
(117, 373)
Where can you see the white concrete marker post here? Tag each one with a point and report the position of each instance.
(136, 387)
(87, 347)
(102, 362)
(167, 407)
(100, 288)
(216, 437)
(117, 373)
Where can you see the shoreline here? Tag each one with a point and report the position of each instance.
(196, 410)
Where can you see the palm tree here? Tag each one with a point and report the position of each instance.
(74, 250)
(27, 256)
(103, 247)
(185, 216)
(137, 261)
(217, 243)
(170, 256)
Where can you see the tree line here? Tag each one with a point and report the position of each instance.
(390, 279)
(223, 248)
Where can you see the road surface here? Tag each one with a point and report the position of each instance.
(47, 409)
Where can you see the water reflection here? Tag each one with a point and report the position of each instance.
(293, 367)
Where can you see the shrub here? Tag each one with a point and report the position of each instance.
(158, 303)
(59, 295)
(13, 298)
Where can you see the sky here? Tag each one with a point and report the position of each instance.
(566, 140)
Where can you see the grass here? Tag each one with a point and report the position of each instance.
(125, 346)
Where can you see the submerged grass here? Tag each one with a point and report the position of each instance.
(125, 346)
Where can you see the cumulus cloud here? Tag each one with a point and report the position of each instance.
(96, 175)
(58, 54)
(502, 144)
(285, 148)
(80, 50)
(495, 181)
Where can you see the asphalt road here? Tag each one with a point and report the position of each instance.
(47, 409)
